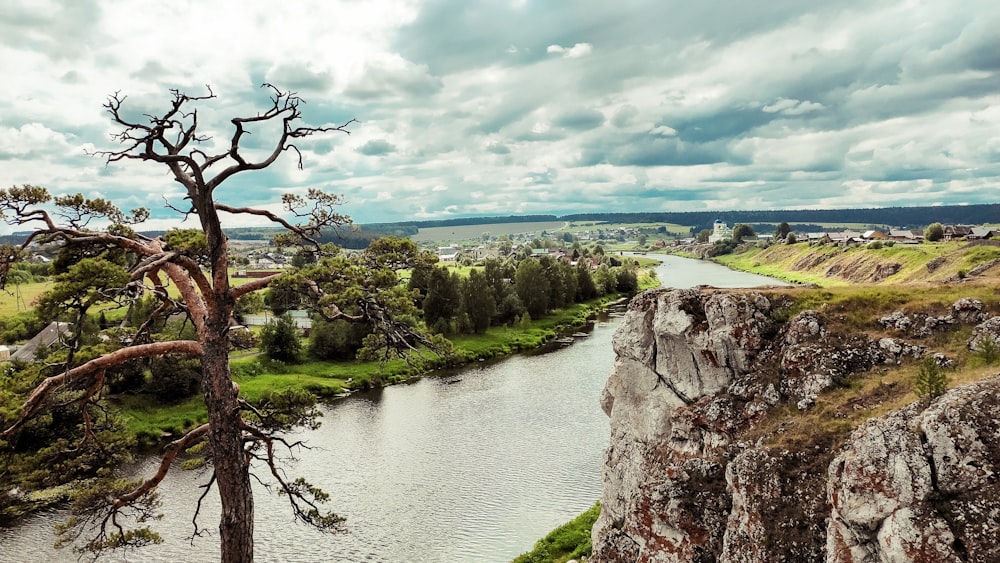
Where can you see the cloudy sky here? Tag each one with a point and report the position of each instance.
(510, 107)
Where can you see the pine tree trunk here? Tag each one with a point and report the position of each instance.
(230, 464)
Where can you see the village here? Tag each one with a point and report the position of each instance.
(257, 258)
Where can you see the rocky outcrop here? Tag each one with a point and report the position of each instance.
(921, 484)
(687, 479)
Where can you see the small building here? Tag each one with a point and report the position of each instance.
(905, 236)
(720, 231)
(981, 233)
(49, 335)
(956, 232)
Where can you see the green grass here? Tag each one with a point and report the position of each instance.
(832, 266)
(150, 420)
(979, 254)
(569, 541)
(19, 298)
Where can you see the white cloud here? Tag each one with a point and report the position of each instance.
(663, 131)
(574, 52)
(792, 107)
(782, 105)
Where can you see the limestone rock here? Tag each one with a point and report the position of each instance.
(695, 373)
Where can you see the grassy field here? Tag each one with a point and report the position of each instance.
(19, 298)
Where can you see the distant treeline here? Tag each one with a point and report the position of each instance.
(902, 217)
(477, 221)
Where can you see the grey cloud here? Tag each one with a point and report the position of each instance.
(453, 35)
(580, 119)
(62, 29)
(71, 77)
(726, 123)
(498, 148)
(151, 71)
(624, 116)
(300, 76)
(377, 147)
(545, 177)
(381, 81)
(532, 136)
(647, 150)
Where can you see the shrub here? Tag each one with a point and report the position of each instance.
(279, 340)
(988, 350)
(931, 380)
(173, 378)
(127, 377)
(336, 340)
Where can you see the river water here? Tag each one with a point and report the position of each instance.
(471, 465)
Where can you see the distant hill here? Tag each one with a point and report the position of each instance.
(902, 217)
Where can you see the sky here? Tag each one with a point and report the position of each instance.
(513, 107)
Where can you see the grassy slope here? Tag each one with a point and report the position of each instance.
(569, 541)
(829, 265)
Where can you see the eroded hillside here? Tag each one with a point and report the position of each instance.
(880, 263)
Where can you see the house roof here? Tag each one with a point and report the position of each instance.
(47, 337)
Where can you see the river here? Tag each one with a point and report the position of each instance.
(472, 465)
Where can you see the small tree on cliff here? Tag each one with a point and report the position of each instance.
(362, 289)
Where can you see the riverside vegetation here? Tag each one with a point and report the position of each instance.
(154, 402)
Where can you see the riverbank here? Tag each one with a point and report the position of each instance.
(151, 423)
(877, 263)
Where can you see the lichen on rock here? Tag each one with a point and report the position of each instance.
(698, 370)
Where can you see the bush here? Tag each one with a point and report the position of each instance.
(988, 351)
(173, 378)
(279, 340)
(569, 541)
(931, 380)
(130, 376)
(934, 232)
(336, 340)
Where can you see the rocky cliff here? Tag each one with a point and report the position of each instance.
(697, 469)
